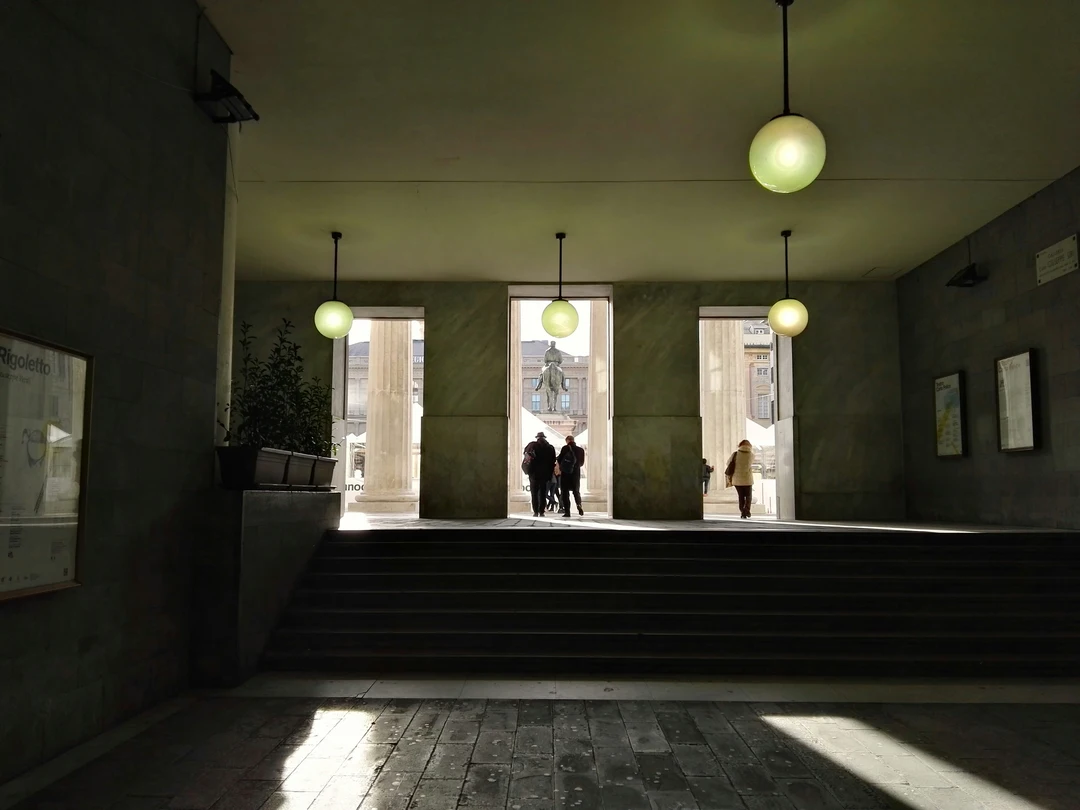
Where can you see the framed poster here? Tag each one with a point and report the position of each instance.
(44, 416)
(1017, 402)
(949, 415)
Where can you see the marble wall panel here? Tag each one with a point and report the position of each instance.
(463, 467)
(656, 467)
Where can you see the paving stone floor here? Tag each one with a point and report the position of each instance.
(287, 753)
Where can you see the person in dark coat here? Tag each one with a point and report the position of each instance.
(540, 470)
(571, 460)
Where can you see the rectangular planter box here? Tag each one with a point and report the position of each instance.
(322, 475)
(252, 467)
(300, 470)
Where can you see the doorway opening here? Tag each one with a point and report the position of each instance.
(561, 387)
(380, 375)
(744, 370)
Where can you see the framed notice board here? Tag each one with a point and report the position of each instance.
(949, 406)
(44, 421)
(1017, 402)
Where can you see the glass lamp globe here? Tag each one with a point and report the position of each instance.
(788, 317)
(333, 319)
(560, 319)
(787, 154)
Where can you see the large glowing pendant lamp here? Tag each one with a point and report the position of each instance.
(788, 316)
(334, 318)
(560, 319)
(788, 153)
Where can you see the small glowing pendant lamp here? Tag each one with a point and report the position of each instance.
(788, 316)
(334, 318)
(788, 153)
(560, 319)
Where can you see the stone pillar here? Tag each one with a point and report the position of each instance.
(597, 453)
(723, 399)
(228, 290)
(517, 498)
(388, 462)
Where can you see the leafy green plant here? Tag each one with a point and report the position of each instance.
(274, 404)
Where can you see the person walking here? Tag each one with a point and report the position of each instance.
(739, 475)
(553, 490)
(571, 460)
(538, 463)
(706, 475)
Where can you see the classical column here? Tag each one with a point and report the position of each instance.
(596, 454)
(228, 290)
(388, 462)
(723, 398)
(515, 500)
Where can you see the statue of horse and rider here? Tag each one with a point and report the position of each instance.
(552, 380)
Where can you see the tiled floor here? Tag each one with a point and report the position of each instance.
(240, 751)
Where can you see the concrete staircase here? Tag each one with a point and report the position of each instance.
(720, 603)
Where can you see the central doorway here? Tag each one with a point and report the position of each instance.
(572, 399)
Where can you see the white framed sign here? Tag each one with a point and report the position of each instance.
(1056, 261)
(1017, 402)
(949, 415)
(44, 417)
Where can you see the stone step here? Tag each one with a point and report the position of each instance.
(515, 618)
(676, 601)
(590, 664)
(758, 582)
(765, 552)
(512, 565)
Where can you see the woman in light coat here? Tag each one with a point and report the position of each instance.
(740, 476)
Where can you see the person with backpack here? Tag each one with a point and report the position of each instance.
(738, 474)
(571, 460)
(538, 462)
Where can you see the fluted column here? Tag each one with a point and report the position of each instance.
(596, 454)
(387, 466)
(723, 398)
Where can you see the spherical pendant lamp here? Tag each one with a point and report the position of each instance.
(788, 316)
(559, 318)
(788, 153)
(334, 318)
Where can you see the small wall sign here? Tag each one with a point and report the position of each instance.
(1056, 261)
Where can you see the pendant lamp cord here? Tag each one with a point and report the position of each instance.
(787, 288)
(336, 236)
(560, 237)
(787, 103)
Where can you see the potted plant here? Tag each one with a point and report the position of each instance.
(280, 420)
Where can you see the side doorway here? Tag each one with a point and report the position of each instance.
(745, 379)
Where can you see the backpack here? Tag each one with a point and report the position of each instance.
(730, 469)
(528, 459)
(568, 461)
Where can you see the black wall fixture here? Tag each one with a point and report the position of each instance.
(224, 103)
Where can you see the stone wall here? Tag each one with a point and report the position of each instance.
(254, 547)
(466, 328)
(848, 464)
(111, 200)
(945, 329)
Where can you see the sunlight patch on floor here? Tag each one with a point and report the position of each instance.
(919, 781)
